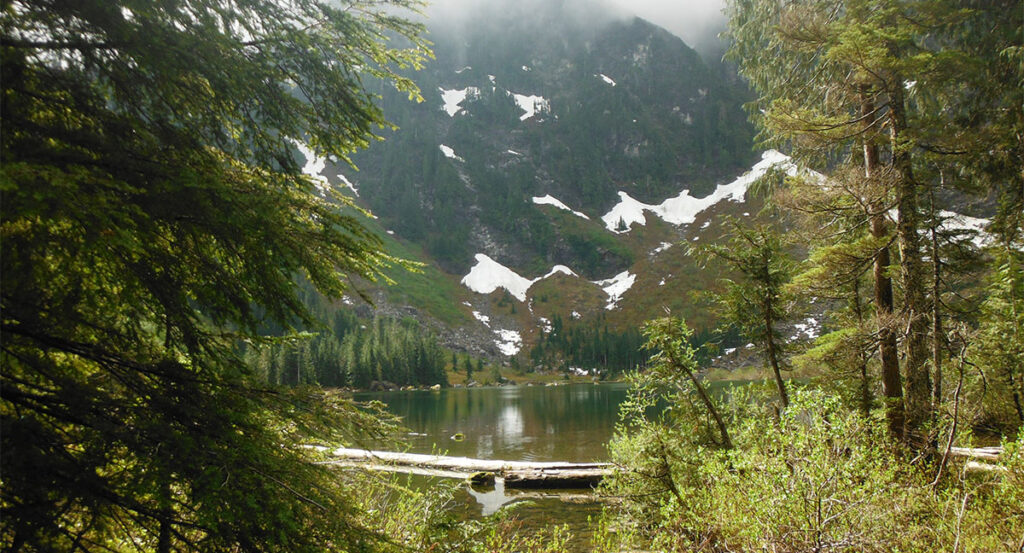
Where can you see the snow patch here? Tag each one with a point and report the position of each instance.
(459, 71)
(314, 166)
(482, 318)
(452, 98)
(488, 275)
(664, 246)
(551, 200)
(531, 105)
(526, 68)
(576, 315)
(450, 153)
(625, 214)
(810, 328)
(973, 225)
(515, 153)
(509, 342)
(545, 325)
(606, 79)
(556, 270)
(615, 287)
(349, 184)
(684, 208)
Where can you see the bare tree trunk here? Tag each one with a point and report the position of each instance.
(706, 400)
(163, 544)
(917, 392)
(956, 416)
(1015, 388)
(862, 358)
(937, 334)
(892, 388)
(773, 359)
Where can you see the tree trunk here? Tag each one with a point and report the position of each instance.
(917, 392)
(1015, 388)
(726, 441)
(773, 358)
(163, 544)
(937, 334)
(862, 357)
(892, 388)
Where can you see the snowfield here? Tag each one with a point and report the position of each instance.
(661, 247)
(509, 342)
(450, 153)
(551, 200)
(684, 208)
(314, 166)
(957, 221)
(531, 105)
(615, 287)
(482, 318)
(488, 275)
(452, 98)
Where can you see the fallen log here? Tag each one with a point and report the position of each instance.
(554, 478)
(986, 453)
(521, 474)
(974, 466)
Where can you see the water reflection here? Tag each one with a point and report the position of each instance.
(530, 423)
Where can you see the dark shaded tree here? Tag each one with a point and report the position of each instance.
(155, 216)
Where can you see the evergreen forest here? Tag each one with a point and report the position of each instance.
(186, 308)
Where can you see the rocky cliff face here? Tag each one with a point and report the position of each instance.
(549, 173)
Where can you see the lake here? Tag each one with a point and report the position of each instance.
(571, 422)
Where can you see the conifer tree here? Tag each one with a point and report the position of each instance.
(755, 301)
(155, 217)
(887, 78)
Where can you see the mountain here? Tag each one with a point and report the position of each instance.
(545, 178)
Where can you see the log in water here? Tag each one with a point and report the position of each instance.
(517, 474)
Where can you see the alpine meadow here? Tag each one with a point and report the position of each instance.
(515, 276)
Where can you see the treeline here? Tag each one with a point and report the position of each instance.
(902, 108)
(590, 346)
(352, 352)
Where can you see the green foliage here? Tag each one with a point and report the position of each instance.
(757, 302)
(999, 345)
(589, 345)
(354, 354)
(154, 218)
(816, 477)
(900, 102)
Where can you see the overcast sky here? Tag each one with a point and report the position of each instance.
(695, 21)
(691, 20)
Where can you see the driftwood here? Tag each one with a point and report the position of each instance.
(985, 453)
(521, 474)
(554, 478)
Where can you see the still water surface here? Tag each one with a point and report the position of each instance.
(572, 422)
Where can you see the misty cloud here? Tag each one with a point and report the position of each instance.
(697, 22)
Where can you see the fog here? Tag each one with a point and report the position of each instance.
(697, 22)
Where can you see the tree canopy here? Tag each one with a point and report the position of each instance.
(154, 215)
